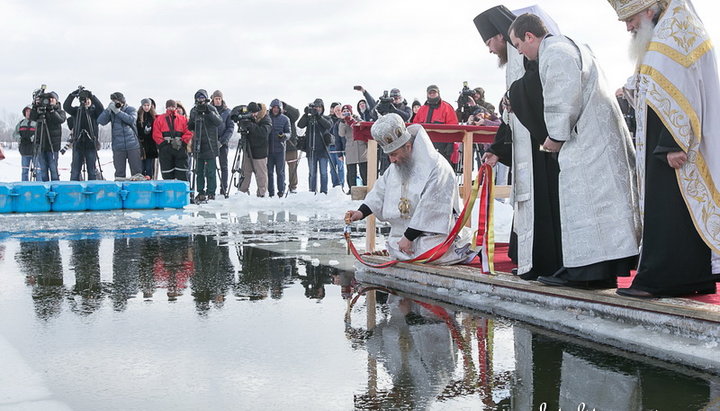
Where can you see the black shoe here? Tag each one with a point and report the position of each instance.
(211, 196)
(281, 195)
(200, 198)
(635, 293)
(528, 276)
(558, 281)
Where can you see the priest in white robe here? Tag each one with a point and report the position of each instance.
(676, 94)
(599, 220)
(417, 194)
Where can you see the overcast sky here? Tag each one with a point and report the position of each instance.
(295, 50)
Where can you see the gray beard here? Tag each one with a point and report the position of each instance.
(405, 170)
(640, 41)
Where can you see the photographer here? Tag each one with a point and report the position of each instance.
(171, 134)
(144, 126)
(225, 131)
(277, 139)
(392, 103)
(291, 146)
(49, 116)
(125, 143)
(204, 122)
(25, 134)
(256, 148)
(315, 142)
(365, 107)
(84, 126)
(466, 104)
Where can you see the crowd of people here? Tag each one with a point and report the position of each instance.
(194, 145)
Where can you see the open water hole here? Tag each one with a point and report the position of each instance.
(198, 321)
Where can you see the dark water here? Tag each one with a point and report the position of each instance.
(192, 322)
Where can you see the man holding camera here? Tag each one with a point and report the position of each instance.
(49, 116)
(225, 131)
(392, 103)
(204, 123)
(125, 143)
(277, 139)
(170, 132)
(84, 126)
(258, 128)
(315, 143)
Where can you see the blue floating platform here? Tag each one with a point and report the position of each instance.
(31, 197)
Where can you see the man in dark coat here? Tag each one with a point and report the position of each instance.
(48, 114)
(204, 122)
(256, 149)
(224, 131)
(84, 126)
(277, 139)
(317, 139)
(291, 149)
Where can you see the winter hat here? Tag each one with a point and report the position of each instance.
(145, 101)
(319, 102)
(493, 21)
(433, 87)
(395, 92)
(170, 103)
(276, 103)
(253, 107)
(390, 132)
(347, 107)
(202, 93)
(118, 96)
(416, 103)
(217, 93)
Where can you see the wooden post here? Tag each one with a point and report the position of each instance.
(372, 171)
(467, 168)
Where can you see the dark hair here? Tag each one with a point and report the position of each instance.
(528, 23)
(151, 113)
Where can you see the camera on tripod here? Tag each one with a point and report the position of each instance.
(201, 105)
(83, 95)
(242, 116)
(41, 99)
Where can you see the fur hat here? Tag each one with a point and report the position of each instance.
(170, 103)
(390, 132)
(217, 93)
(433, 87)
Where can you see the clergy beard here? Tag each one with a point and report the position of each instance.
(640, 41)
(502, 57)
(405, 169)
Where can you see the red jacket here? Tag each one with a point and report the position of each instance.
(444, 114)
(161, 129)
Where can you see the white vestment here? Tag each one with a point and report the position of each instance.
(433, 198)
(599, 215)
(678, 78)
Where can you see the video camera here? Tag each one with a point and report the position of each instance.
(83, 95)
(41, 99)
(311, 108)
(385, 103)
(201, 105)
(465, 94)
(242, 116)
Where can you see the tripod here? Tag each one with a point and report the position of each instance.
(84, 115)
(40, 143)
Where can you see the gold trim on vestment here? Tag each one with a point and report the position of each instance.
(674, 115)
(685, 60)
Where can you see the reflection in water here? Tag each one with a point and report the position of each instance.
(85, 261)
(214, 273)
(433, 355)
(41, 263)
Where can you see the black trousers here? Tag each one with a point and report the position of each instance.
(352, 174)
(173, 163)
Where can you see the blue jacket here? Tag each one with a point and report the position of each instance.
(226, 129)
(279, 133)
(124, 136)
